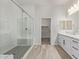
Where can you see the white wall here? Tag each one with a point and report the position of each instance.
(46, 22)
(9, 14)
(55, 13)
(58, 14)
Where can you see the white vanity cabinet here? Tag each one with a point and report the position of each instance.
(75, 48)
(69, 44)
(65, 43)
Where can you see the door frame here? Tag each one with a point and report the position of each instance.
(50, 28)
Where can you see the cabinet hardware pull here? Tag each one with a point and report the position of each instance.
(75, 57)
(75, 41)
(75, 48)
(64, 42)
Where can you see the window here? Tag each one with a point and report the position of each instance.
(66, 25)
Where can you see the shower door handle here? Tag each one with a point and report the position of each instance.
(25, 28)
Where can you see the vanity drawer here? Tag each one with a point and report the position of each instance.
(75, 57)
(75, 52)
(75, 43)
(76, 49)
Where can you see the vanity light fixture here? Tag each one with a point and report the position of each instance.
(73, 9)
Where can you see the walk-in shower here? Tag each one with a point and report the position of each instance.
(25, 27)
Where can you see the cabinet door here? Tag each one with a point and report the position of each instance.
(60, 40)
(67, 45)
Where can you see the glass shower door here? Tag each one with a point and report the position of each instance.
(26, 27)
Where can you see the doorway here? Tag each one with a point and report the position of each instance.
(45, 31)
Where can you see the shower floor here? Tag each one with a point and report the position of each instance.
(18, 51)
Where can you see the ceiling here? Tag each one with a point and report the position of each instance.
(48, 6)
(45, 2)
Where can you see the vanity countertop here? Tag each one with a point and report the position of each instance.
(70, 35)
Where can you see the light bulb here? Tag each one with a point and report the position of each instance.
(69, 10)
(78, 2)
(75, 5)
(72, 8)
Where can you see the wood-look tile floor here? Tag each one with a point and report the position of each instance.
(43, 52)
(45, 41)
(62, 53)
